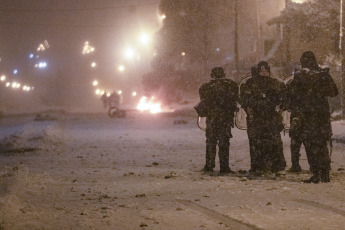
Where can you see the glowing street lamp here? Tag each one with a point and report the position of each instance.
(87, 48)
(8, 84)
(95, 83)
(3, 78)
(298, 1)
(42, 65)
(129, 53)
(119, 92)
(134, 94)
(121, 68)
(144, 39)
(93, 64)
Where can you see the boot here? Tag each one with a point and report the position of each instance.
(315, 178)
(325, 176)
(295, 168)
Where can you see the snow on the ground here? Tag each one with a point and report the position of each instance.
(88, 171)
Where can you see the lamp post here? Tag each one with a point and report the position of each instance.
(342, 50)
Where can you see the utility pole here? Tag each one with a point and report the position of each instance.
(236, 37)
(258, 41)
(342, 55)
(286, 36)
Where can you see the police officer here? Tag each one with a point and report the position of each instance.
(261, 97)
(308, 99)
(220, 96)
(250, 124)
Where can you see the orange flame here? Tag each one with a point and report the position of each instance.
(149, 105)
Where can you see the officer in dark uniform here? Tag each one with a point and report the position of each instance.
(220, 96)
(308, 99)
(261, 97)
(250, 124)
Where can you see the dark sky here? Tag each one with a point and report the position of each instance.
(109, 25)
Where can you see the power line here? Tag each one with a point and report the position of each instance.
(75, 10)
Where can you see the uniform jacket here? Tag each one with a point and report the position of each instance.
(260, 97)
(307, 98)
(220, 95)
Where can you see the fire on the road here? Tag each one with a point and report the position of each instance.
(149, 105)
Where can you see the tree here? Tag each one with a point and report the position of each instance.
(185, 43)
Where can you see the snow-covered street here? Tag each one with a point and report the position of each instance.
(88, 171)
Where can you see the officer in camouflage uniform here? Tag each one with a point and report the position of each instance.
(220, 96)
(307, 98)
(261, 97)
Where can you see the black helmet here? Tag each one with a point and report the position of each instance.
(217, 72)
(254, 71)
(263, 65)
(308, 60)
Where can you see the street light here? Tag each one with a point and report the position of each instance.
(121, 68)
(129, 53)
(298, 1)
(144, 39)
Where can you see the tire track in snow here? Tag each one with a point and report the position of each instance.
(322, 206)
(228, 221)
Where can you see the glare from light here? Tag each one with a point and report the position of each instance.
(3, 78)
(15, 71)
(134, 94)
(121, 68)
(129, 53)
(102, 92)
(144, 39)
(31, 56)
(87, 48)
(32, 88)
(108, 94)
(93, 64)
(163, 16)
(98, 91)
(95, 82)
(14, 84)
(40, 47)
(41, 65)
(298, 1)
(26, 88)
(45, 43)
(119, 92)
(183, 53)
(8, 84)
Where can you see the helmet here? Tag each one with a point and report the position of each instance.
(217, 72)
(308, 60)
(263, 65)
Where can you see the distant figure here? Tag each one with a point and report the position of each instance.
(114, 100)
(261, 98)
(307, 98)
(104, 99)
(220, 96)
